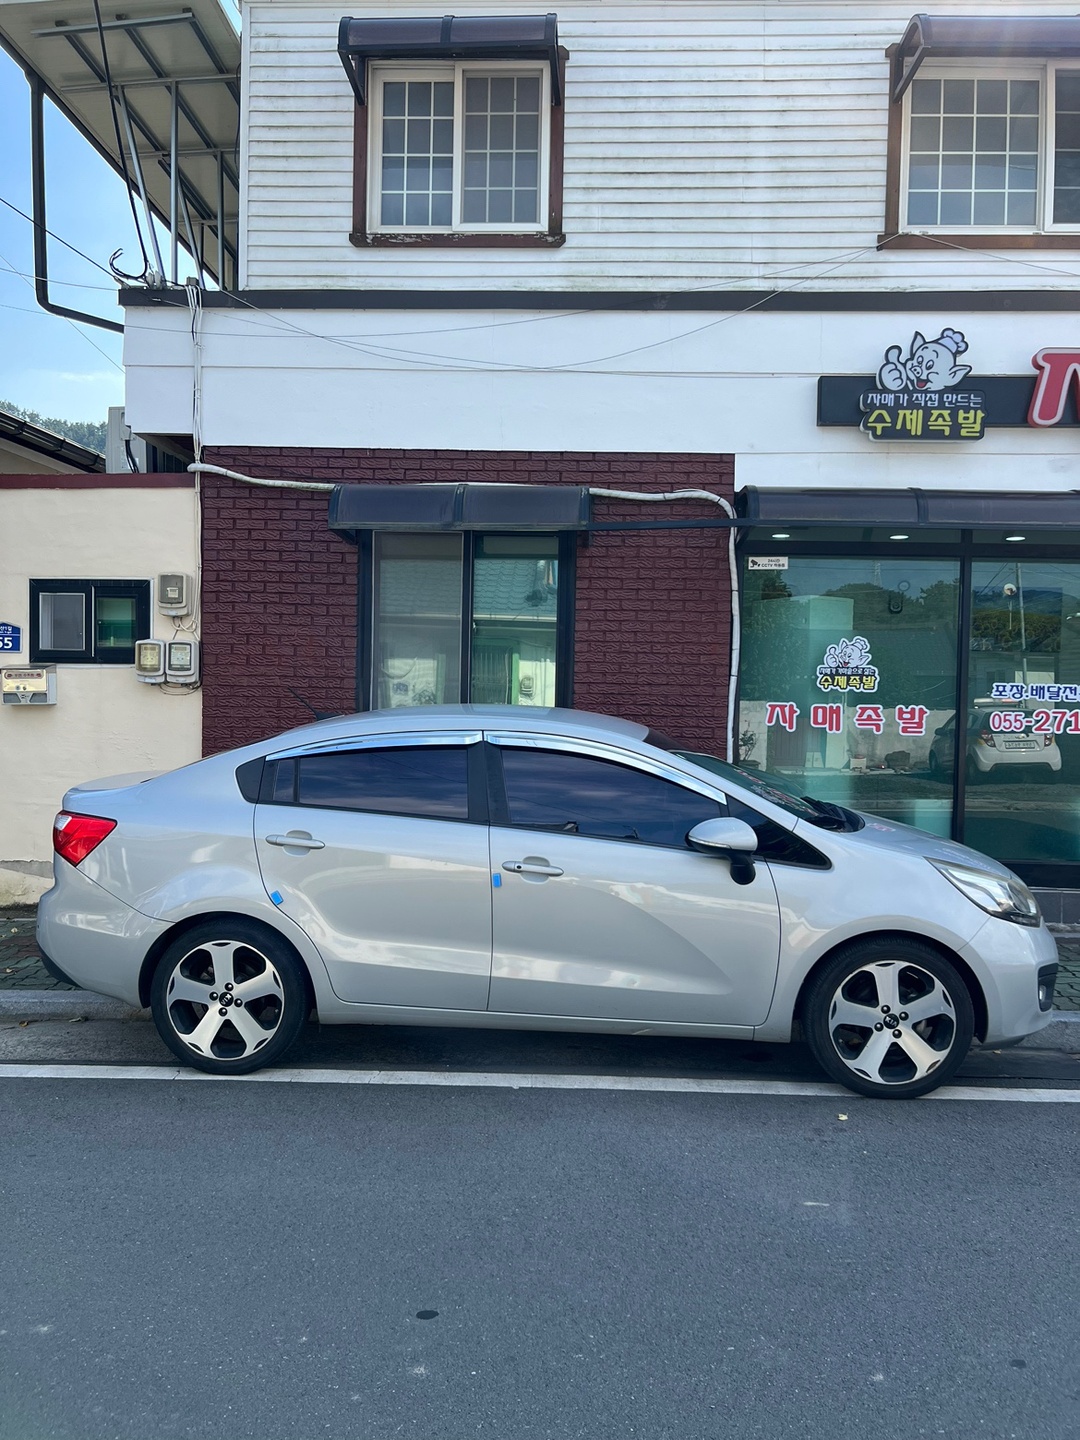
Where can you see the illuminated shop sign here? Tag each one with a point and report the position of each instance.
(924, 392)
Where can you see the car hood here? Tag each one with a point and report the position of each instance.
(890, 835)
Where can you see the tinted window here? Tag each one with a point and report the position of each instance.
(428, 780)
(551, 790)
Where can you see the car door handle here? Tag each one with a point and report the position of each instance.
(296, 842)
(530, 867)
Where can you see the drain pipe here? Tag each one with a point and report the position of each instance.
(668, 497)
(665, 497)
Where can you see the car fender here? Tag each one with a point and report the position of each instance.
(214, 890)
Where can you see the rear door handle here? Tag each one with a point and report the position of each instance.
(296, 842)
(530, 867)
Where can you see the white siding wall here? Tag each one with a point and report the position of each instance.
(716, 144)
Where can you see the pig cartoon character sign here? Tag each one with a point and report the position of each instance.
(924, 394)
(929, 365)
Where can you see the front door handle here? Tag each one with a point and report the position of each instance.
(296, 842)
(531, 867)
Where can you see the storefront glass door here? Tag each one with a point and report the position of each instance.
(849, 681)
(1022, 747)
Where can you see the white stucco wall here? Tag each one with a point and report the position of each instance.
(105, 722)
(729, 382)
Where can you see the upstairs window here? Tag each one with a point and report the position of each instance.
(456, 148)
(984, 144)
(458, 129)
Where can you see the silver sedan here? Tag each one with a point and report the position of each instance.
(540, 869)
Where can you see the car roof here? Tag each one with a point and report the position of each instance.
(554, 720)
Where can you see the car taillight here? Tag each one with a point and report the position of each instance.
(987, 738)
(1048, 740)
(74, 836)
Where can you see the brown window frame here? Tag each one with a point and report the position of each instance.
(547, 238)
(894, 237)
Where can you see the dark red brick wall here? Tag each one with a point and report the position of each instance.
(653, 608)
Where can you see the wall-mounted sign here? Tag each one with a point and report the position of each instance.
(846, 666)
(767, 562)
(10, 637)
(922, 392)
(921, 395)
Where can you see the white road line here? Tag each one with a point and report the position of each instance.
(466, 1079)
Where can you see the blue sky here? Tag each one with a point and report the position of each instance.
(46, 363)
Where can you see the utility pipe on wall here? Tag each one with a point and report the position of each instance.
(662, 497)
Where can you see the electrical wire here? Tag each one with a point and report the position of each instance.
(103, 353)
(61, 241)
(120, 146)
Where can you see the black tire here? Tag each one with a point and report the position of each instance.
(851, 985)
(271, 976)
(934, 766)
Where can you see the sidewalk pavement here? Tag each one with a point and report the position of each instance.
(26, 987)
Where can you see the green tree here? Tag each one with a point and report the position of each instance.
(88, 433)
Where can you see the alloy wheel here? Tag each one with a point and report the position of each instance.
(892, 1022)
(225, 1000)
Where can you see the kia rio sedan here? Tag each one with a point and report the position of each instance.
(534, 869)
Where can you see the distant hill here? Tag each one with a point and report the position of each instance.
(90, 433)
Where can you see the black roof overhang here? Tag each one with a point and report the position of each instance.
(448, 37)
(942, 509)
(459, 507)
(981, 37)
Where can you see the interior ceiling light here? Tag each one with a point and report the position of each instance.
(899, 537)
(781, 535)
(1015, 537)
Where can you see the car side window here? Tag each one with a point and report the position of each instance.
(580, 795)
(428, 781)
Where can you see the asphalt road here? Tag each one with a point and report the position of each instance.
(229, 1260)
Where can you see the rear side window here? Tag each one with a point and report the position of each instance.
(578, 795)
(426, 780)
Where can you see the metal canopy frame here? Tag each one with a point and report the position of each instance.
(176, 92)
(457, 37)
(978, 38)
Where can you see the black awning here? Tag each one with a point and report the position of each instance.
(949, 509)
(459, 507)
(981, 37)
(448, 37)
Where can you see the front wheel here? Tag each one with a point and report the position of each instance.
(889, 1018)
(229, 996)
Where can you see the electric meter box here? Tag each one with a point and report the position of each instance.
(174, 594)
(150, 661)
(182, 661)
(28, 685)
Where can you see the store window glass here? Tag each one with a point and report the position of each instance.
(515, 609)
(1022, 733)
(849, 681)
(417, 650)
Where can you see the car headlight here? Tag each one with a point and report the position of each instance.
(1004, 896)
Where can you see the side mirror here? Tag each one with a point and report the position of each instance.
(942, 730)
(730, 837)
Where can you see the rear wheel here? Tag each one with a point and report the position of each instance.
(889, 1017)
(229, 997)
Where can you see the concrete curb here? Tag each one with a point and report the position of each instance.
(65, 1005)
(1063, 1032)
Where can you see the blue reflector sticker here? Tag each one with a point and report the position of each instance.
(496, 880)
(275, 895)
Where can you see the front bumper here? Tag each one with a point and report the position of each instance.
(93, 938)
(1011, 962)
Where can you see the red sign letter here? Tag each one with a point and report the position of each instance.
(1057, 369)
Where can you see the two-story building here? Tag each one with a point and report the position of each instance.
(799, 257)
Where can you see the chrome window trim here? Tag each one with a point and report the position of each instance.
(386, 741)
(599, 750)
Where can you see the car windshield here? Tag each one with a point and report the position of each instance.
(777, 789)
